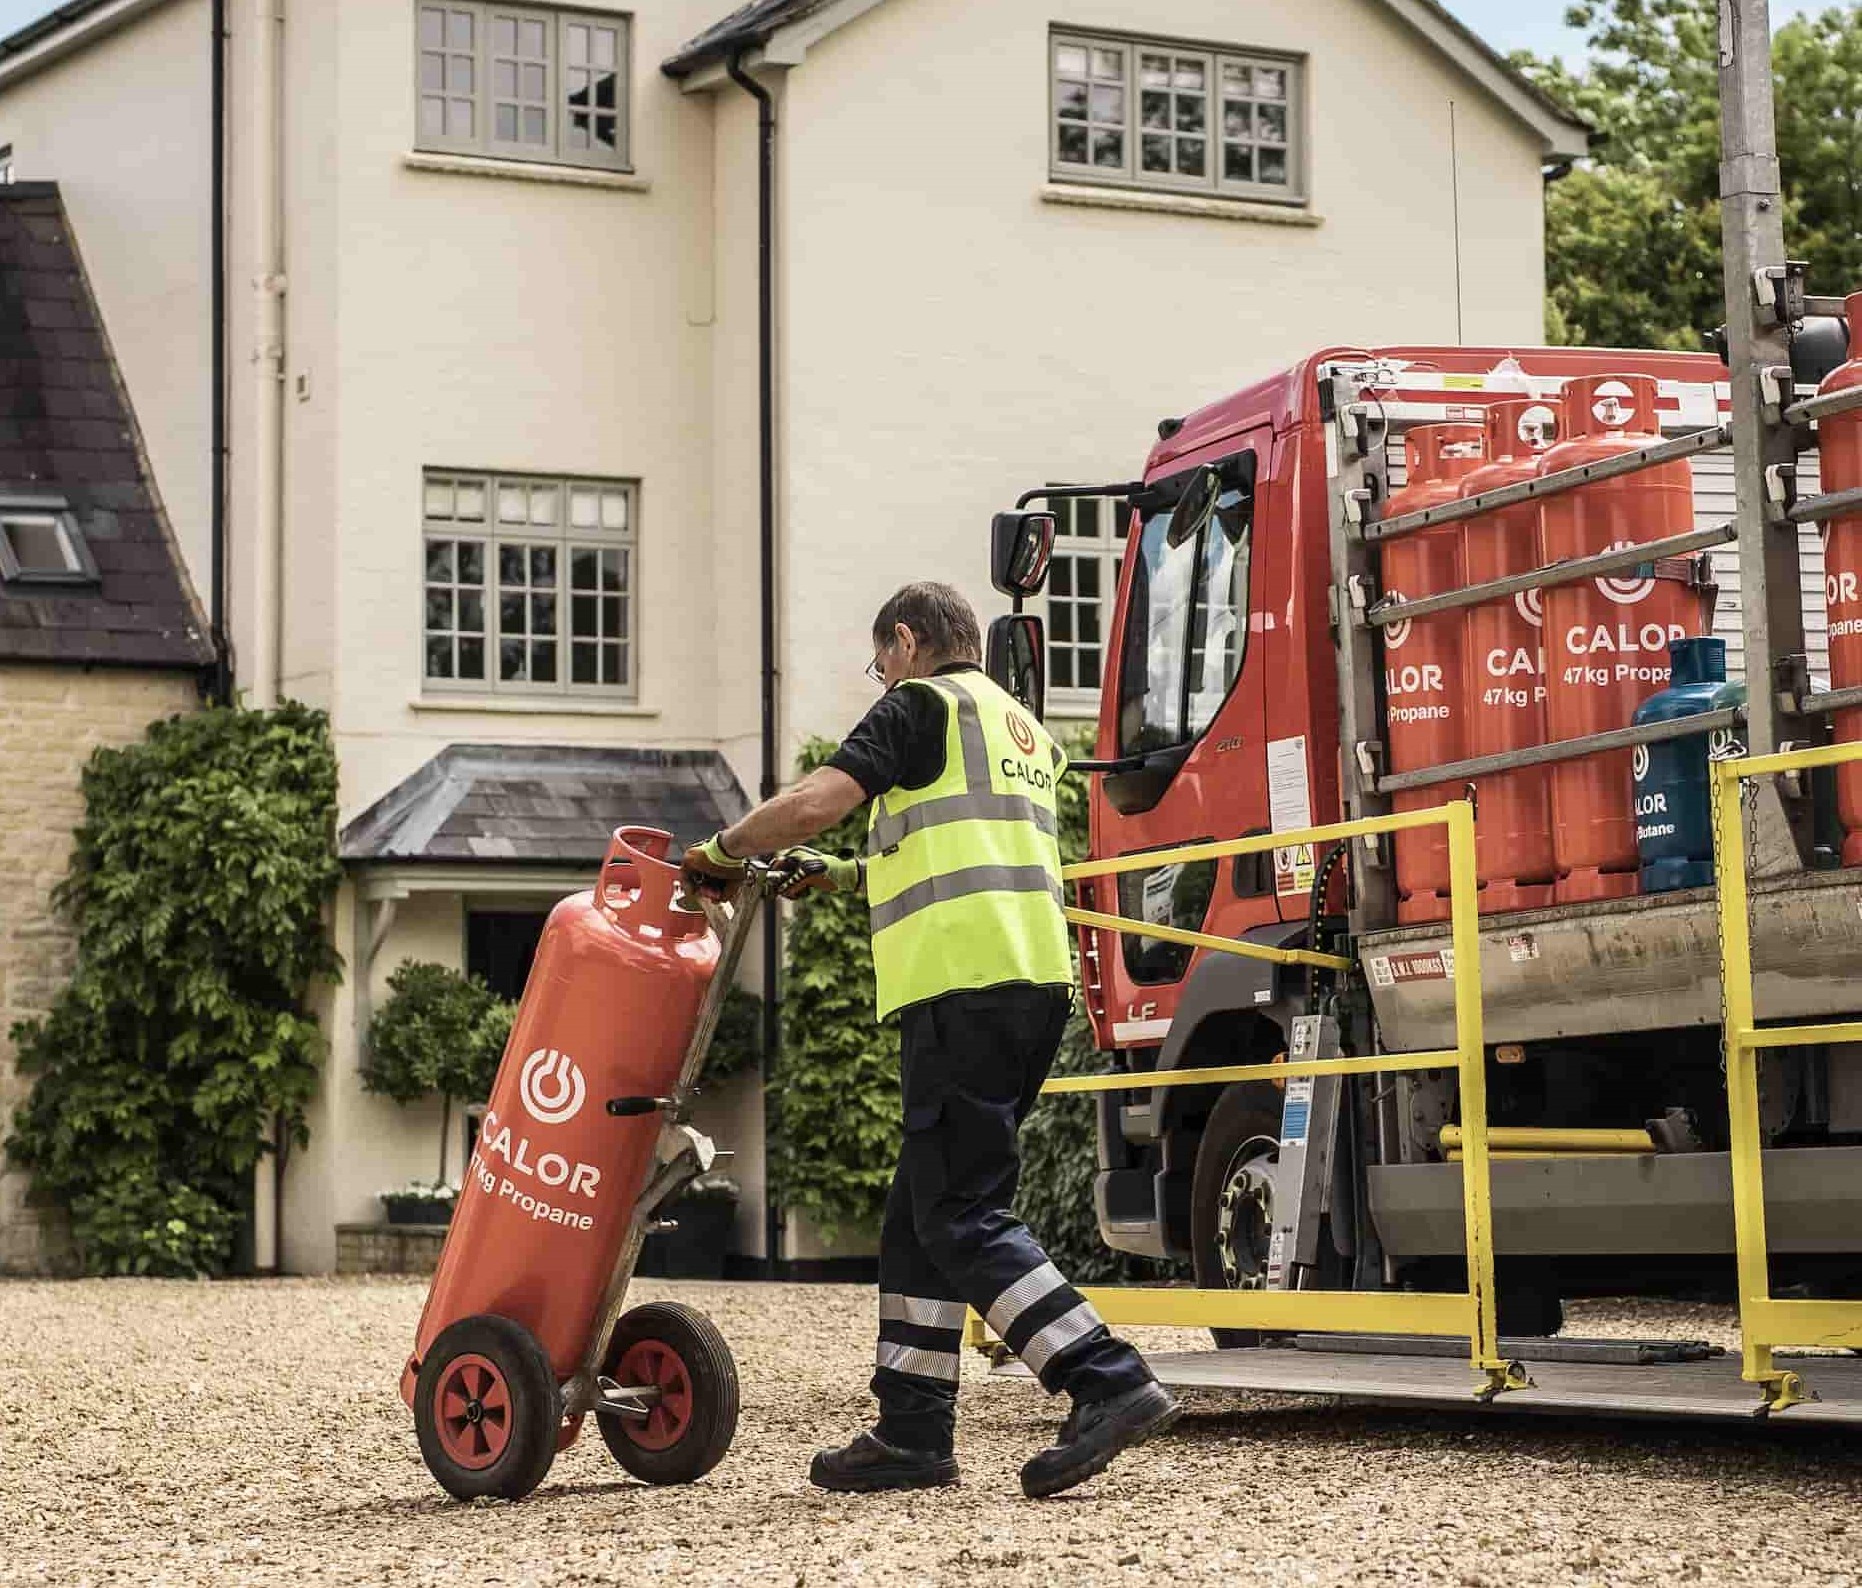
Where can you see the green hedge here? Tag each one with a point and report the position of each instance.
(198, 887)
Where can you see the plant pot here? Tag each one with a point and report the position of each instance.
(696, 1249)
(417, 1209)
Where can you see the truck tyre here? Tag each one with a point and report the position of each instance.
(487, 1409)
(679, 1351)
(1228, 1241)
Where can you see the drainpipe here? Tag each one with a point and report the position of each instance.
(221, 687)
(766, 436)
(265, 129)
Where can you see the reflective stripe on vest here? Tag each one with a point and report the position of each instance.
(964, 874)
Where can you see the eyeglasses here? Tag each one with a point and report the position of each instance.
(875, 672)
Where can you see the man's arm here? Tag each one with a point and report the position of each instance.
(796, 814)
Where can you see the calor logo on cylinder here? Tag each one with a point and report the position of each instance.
(551, 1087)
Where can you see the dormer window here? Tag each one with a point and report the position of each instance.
(40, 543)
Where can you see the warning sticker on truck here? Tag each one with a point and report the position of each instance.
(1296, 1112)
(1289, 808)
(1390, 970)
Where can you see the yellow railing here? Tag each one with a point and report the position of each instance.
(1765, 1323)
(1469, 1314)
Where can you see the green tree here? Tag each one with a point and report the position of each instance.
(1633, 233)
(182, 1048)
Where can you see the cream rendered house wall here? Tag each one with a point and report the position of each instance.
(124, 128)
(952, 339)
(487, 322)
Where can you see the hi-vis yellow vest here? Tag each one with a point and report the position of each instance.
(963, 875)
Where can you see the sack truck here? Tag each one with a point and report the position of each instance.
(1461, 933)
(584, 1140)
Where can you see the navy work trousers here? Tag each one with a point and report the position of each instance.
(973, 1064)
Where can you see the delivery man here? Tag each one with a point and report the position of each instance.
(962, 876)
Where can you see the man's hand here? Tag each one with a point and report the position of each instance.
(711, 872)
(795, 872)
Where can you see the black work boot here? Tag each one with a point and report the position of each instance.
(870, 1464)
(1093, 1434)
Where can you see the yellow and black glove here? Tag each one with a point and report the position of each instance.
(711, 871)
(798, 871)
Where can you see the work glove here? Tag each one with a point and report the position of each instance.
(795, 872)
(711, 872)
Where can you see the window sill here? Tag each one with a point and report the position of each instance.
(1219, 209)
(540, 707)
(526, 171)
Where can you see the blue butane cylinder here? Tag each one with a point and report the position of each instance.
(1674, 821)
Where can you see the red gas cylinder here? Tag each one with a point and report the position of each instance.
(1839, 446)
(611, 1004)
(1606, 640)
(1504, 648)
(1422, 657)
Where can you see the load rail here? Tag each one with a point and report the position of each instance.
(1765, 1322)
(1470, 1315)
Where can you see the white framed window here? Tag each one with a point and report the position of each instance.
(1082, 584)
(1180, 117)
(529, 584)
(40, 543)
(522, 83)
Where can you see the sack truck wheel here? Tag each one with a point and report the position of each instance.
(486, 1409)
(679, 1352)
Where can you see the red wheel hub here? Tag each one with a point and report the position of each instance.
(472, 1412)
(651, 1364)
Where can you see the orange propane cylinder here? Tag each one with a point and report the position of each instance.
(1839, 445)
(1606, 640)
(1504, 657)
(1422, 657)
(609, 1010)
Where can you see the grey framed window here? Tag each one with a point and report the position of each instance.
(1082, 584)
(522, 83)
(40, 543)
(1181, 117)
(529, 584)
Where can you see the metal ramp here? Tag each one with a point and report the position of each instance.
(1709, 1389)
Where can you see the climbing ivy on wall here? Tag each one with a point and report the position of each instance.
(837, 1082)
(198, 887)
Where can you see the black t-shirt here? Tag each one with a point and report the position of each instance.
(900, 742)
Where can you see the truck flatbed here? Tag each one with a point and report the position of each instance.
(1645, 963)
(1710, 1389)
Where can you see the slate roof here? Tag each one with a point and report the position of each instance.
(66, 430)
(747, 26)
(536, 804)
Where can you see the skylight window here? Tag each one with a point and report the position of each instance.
(40, 543)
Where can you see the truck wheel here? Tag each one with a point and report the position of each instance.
(680, 1352)
(1232, 1196)
(486, 1409)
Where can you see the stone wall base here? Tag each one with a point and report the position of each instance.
(388, 1248)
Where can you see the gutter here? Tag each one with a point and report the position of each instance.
(766, 472)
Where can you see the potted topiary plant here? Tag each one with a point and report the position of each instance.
(702, 1216)
(437, 1031)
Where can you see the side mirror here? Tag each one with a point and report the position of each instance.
(1193, 507)
(1020, 547)
(1016, 659)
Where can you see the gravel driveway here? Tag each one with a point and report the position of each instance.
(250, 1434)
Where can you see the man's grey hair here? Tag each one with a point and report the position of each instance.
(938, 615)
